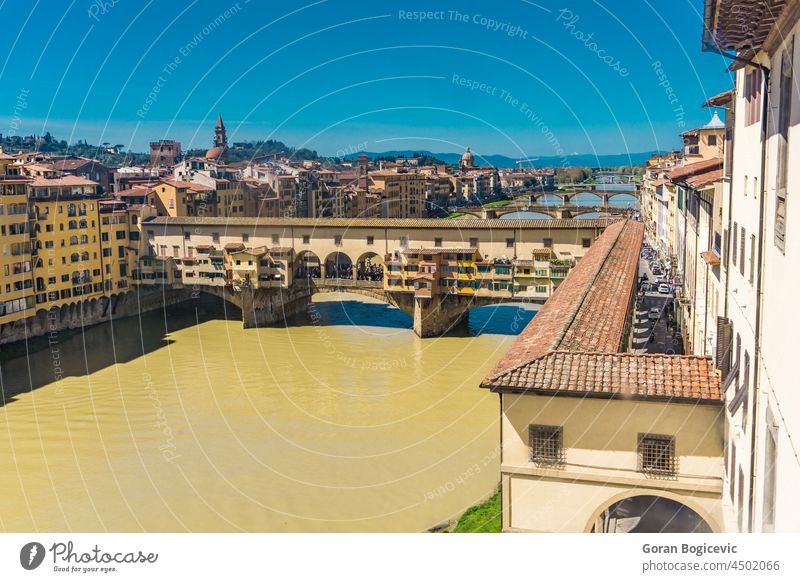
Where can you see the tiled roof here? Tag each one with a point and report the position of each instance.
(623, 375)
(704, 179)
(62, 181)
(573, 346)
(433, 223)
(683, 172)
(720, 99)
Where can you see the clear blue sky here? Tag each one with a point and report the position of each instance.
(516, 77)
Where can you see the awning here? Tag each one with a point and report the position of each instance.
(711, 258)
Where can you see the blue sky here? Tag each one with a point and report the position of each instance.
(516, 77)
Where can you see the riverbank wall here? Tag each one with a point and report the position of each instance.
(82, 314)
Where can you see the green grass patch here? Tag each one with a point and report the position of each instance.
(481, 518)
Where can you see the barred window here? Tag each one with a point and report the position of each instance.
(546, 444)
(657, 454)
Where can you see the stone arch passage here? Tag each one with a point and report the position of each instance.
(369, 267)
(655, 513)
(338, 265)
(308, 266)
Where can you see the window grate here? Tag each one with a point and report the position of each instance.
(546, 444)
(657, 454)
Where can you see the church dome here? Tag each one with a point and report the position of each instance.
(467, 159)
(217, 153)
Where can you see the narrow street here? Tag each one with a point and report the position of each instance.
(654, 336)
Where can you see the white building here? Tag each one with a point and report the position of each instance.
(761, 258)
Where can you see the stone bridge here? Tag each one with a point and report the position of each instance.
(432, 316)
(292, 259)
(564, 211)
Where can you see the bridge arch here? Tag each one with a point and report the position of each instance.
(338, 265)
(308, 265)
(652, 511)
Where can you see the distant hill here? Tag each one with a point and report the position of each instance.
(501, 161)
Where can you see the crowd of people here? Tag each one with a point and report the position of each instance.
(365, 271)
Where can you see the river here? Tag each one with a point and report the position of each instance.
(181, 420)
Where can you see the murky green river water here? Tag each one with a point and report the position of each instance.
(182, 420)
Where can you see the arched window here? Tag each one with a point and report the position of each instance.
(74, 257)
(84, 239)
(82, 223)
(71, 210)
(73, 240)
(72, 225)
(83, 209)
(84, 256)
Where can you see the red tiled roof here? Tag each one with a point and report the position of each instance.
(63, 181)
(683, 172)
(573, 346)
(704, 179)
(720, 99)
(624, 375)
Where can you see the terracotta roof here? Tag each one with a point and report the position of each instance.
(63, 181)
(737, 25)
(433, 223)
(234, 247)
(683, 172)
(573, 346)
(704, 179)
(720, 99)
(188, 185)
(624, 375)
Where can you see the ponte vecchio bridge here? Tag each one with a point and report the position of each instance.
(434, 270)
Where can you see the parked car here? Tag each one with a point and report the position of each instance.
(654, 313)
(663, 288)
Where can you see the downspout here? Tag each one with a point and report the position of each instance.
(760, 279)
(759, 297)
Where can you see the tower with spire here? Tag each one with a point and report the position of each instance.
(220, 149)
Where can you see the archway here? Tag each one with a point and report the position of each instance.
(308, 266)
(338, 266)
(650, 514)
(369, 267)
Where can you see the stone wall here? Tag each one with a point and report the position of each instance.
(90, 312)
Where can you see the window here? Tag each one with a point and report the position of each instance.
(186, 235)
(548, 243)
(306, 239)
(735, 242)
(586, 243)
(752, 257)
(245, 237)
(752, 93)
(473, 242)
(784, 117)
(370, 240)
(437, 242)
(712, 140)
(404, 241)
(337, 239)
(276, 239)
(546, 444)
(742, 241)
(120, 234)
(509, 243)
(656, 454)
(176, 251)
(770, 474)
(215, 237)
(541, 289)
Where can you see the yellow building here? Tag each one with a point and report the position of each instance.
(68, 261)
(403, 193)
(179, 198)
(118, 255)
(16, 289)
